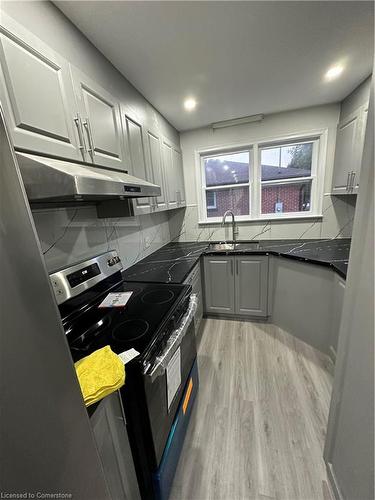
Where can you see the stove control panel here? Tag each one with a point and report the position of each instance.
(75, 279)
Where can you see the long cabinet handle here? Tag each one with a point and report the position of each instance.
(353, 180)
(231, 266)
(87, 126)
(348, 181)
(236, 266)
(82, 144)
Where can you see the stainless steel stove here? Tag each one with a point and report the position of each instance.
(147, 323)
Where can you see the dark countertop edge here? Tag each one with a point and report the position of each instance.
(191, 267)
(276, 253)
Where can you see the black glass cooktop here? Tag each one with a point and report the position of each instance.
(150, 308)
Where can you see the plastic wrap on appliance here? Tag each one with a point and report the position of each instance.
(175, 339)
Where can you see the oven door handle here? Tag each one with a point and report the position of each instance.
(161, 361)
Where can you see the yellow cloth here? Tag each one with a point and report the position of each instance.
(100, 374)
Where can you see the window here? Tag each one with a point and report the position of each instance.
(277, 179)
(226, 184)
(286, 178)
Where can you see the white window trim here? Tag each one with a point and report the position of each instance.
(319, 136)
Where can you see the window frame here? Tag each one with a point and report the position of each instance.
(290, 180)
(319, 139)
(222, 151)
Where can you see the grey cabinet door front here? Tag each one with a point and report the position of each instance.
(37, 94)
(136, 146)
(346, 154)
(170, 177)
(179, 177)
(219, 284)
(251, 285)
(112, 441)
(156, 164)
(100, 114)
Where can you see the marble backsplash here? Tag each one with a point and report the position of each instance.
(337, 222)
(73, 234)
(68, 235)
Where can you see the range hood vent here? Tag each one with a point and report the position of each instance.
(48, 180)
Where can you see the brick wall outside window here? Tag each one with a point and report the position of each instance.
(289, 195)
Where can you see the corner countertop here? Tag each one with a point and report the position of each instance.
(173, 262)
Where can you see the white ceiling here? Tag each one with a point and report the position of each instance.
(235, 58)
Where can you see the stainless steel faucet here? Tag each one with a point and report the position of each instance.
(234, 232)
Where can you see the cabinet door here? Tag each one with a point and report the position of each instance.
(109, 428)
(37, 94)
(219, 284)
(179, 177)
(346, 154)
(251, 284)
(360, 145)
(100, 114)
(136, 147)
(170, 179)
(156, 164)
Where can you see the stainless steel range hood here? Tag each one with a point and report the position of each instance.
(50, 180)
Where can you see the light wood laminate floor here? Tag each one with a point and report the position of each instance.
(258, 427)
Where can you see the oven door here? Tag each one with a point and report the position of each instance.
(165, 381)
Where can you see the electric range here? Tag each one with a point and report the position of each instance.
(147, 323)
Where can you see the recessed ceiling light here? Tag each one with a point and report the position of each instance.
(334, 72)
(190, 104)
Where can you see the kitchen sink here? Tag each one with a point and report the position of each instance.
(231, 246)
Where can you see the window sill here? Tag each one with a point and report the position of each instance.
(263, 219)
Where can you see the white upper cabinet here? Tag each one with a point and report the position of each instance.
(348, 154)
(170, 178)
(36, 94)
(101, 130)
(137, 154)
(160, 202)
(179, 175)
(53, 108)
(172, 160)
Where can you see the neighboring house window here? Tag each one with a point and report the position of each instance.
(211, 200)
(284, 183)
(226, 184)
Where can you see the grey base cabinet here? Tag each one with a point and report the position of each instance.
(109, 427)
(251, 285)
(236, 285)
(219, 284)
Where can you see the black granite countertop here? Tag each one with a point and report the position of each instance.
(173, 262)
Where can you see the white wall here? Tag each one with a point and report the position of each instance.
(337, 213)
(86, 235)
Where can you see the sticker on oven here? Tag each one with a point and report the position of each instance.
(128, 355)
(173, 376)
(116, 299)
